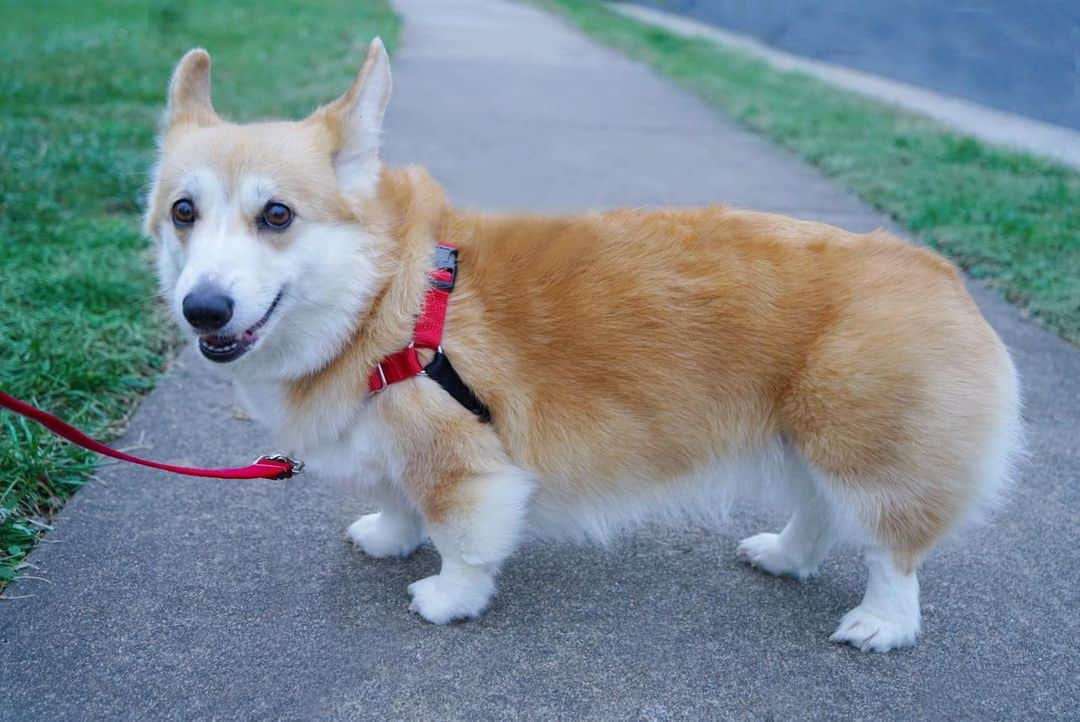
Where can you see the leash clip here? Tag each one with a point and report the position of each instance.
(295, 465)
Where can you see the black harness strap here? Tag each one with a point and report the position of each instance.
(442, 372)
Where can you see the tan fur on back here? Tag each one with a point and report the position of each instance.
(634, 347)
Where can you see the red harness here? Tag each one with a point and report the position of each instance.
(428, 333)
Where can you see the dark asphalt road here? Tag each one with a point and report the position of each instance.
(1022, 57)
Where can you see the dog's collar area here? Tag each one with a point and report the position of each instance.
(427, 334)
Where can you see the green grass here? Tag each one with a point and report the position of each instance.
(81, 90)
(1006, 217)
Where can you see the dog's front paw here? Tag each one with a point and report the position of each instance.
(765, 552)
(444, 597)
(381, 536)
(872, 631)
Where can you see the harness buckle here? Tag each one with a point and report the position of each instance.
(445, 261)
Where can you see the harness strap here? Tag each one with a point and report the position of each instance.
(427, 334)
(443, 373)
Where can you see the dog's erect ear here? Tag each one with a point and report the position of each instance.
(355, 120)
(189, 91)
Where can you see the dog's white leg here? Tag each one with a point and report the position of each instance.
(803, 544)
(888, 617)
(479, 531)
(794, 552)
(394, 531)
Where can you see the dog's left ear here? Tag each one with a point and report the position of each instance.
(355, 120)
(189, 91)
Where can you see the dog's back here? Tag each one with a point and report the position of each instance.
(642, 344)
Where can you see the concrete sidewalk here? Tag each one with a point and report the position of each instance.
(179, 598)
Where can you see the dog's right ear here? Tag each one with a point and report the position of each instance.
(355, 121)
(189, 91)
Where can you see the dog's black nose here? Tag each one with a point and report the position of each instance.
(207, 308)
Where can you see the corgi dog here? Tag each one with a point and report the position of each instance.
(492, 378)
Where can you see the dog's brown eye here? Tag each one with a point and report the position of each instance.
(277, 215)
(183, 212)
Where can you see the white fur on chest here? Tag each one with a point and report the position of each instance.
(341, 439)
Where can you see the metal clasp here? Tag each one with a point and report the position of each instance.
(295, 465)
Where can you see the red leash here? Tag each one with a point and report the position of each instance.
(274, 466)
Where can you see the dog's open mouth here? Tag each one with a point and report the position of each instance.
(223, 349)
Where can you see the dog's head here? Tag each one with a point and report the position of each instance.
(262, 253)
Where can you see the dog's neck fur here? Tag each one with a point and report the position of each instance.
(407, 215)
